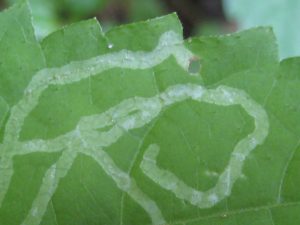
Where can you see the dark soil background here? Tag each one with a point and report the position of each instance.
(197, 16)
(192, 13)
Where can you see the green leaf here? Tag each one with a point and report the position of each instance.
(20, 54)
(122, 127)
(140, 10)
(44, 16)
(3, 110)
(283, 16)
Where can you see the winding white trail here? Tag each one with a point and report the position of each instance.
(224, 96)
(129, 114)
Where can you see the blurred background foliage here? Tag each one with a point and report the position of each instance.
(199, 17)
(282, 15)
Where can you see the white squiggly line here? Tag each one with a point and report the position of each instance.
(86, 138)
(224, 96)
(170, 44)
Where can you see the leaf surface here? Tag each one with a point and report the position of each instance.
(114, 128)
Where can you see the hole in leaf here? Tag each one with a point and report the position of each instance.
(195, 65)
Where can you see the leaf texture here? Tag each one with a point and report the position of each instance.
(113, 128)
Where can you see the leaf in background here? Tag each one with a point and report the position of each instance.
(77, 9)
(142, 10)
(45, 18)
(113, 129)
(283, 16)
